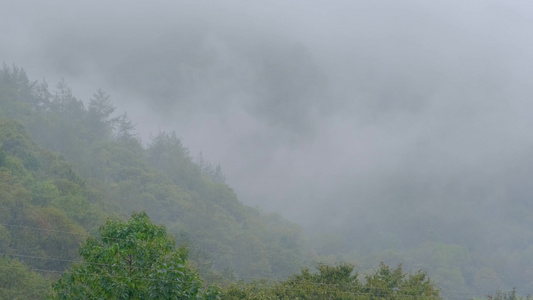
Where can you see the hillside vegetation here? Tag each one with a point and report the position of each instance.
(65, 166)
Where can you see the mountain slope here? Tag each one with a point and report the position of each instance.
(102, 169)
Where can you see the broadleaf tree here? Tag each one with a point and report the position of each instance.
(132, 260)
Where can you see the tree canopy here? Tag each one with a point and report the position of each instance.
(66, 165)
(132, 260)
(340, 282)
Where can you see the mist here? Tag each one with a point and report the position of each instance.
(337, 115)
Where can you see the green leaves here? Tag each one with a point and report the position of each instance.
(104, 169)
(340, 282)
(132, 260)
(18, 282)
(393, 283)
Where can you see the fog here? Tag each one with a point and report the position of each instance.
(335, 114)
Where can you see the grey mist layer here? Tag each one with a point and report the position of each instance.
(340, 115)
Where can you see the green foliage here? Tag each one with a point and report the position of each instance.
(27, 233)
(103, 167)
(99, 114)
(331, 282)
(340, 282)
(255, 290)
(39, 225)
(512, 295)
(133, 260)
(44, 192)
(166, 153)
(17, 281)
(390, 283)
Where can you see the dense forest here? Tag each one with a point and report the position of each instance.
(67, 166)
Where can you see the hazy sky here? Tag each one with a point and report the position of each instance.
(319, 110)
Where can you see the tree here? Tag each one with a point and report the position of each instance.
(390, 283)
(167, 153)
(125, 127)
(331, 282)
(65, 103)
(132, 260)
(17, 281)
(99, 114)
(339, 283)
(511, 295)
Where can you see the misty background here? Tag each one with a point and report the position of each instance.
(339, 115)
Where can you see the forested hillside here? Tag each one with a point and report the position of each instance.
(66, 166)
